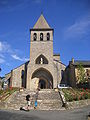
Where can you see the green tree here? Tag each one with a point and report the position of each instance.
(81, 77)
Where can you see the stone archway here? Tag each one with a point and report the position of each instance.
(45, 78)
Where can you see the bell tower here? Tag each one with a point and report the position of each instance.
(41, 39)
(41, 49)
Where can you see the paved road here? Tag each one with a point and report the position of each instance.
(76, 114)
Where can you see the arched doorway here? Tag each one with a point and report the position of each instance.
(42, 84)
(45, 78)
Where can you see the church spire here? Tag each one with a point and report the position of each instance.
(41, 23)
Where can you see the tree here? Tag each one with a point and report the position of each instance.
(81, 77)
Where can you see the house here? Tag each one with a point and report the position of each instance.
(71, 72)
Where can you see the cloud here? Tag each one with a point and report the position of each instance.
(16, 57)
(78, 29)
(19, 58)
(26, 59)
(1, 56)
(2, 60)
(5, 47)
(1, 46)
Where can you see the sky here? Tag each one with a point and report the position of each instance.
(70, 20)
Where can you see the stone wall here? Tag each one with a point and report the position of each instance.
(69, 75)
(78, 104)
(44, 35)
(7, 76)
(56, 57)
(58, 67)
(16, 74)
(38, 48)
(34, 84)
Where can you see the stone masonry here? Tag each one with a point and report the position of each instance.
(43, 64)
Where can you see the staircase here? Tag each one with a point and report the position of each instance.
(49, 99)
(18, 99)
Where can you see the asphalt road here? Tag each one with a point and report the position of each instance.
(75, 114)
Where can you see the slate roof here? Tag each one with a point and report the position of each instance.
(84, 63)
(41, 23)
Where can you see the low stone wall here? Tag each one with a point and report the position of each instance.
(3, 104)
(88, 118)
(73, 104)
(78, 104)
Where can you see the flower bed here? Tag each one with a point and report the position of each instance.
(76, 94)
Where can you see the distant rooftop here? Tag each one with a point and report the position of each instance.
(85, 63)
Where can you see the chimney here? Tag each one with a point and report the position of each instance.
(72, 60)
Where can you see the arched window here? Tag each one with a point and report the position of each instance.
(34, 36)
(41, 36)
(62, 72)
(48, 36)
(41, 60)
(22, 74)
(23, 79)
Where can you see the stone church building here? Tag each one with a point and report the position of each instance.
(44, 69)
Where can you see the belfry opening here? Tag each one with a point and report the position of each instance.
(45, 78)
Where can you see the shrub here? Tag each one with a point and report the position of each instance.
(86, 95)
(70, 98)
(76, 98)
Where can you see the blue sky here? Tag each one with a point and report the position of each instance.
(69, 18)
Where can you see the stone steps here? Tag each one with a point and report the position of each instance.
(48, 99)
(48, 95)
(18, 99)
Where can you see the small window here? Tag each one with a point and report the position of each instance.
(34, 36)
(48, 36)
(41, 36)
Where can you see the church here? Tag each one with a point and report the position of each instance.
(44, 69)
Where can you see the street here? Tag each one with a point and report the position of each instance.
(75, 114)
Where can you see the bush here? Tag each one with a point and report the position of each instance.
(76, 98)
(86, 95)
(70, 98)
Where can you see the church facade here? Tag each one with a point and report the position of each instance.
(44, 69)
